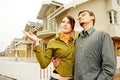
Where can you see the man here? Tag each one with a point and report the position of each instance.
(94, 57)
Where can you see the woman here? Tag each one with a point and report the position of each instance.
(61, 47)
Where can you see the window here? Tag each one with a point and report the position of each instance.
(52, 24)
(115, 17)
(112, 17)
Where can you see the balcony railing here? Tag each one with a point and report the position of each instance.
(23, 69)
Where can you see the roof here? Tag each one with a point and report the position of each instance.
(46, 5)
(70, 5)
(31, 25)
(61, 7)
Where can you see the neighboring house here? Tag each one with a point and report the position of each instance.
(2, 54)
(7, 51)
(16, 49)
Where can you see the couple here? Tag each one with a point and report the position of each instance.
(91, 57)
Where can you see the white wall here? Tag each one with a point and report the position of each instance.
(118, 62)
(99, 9)
(20, 70)
(24, 69)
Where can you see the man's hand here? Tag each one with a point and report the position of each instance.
(56, 61)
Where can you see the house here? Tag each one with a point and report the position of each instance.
(16, 49)
(107, 14)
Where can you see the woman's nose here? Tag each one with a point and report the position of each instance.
(65, 23)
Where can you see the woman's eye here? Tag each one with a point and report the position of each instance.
(66, 22)
(63, 21)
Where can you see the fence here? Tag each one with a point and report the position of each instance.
(28, 69)
(25, 70)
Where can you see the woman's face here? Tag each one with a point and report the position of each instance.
(66, 26)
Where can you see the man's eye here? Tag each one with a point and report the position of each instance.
(83, 15)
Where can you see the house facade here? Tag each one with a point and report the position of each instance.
(107, 14)
(16, 49)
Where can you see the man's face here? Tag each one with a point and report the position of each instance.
(85, 18)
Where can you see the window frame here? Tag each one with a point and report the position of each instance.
(113, 17)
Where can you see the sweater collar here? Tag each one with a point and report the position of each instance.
(63, 38)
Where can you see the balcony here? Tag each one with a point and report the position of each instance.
(46, 33)
(49, 29)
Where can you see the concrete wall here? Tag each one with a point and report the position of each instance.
(24, 69)
(20, 70)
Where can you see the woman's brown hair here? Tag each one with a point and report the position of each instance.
(72, 21)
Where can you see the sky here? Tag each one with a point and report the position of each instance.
(14, 14)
